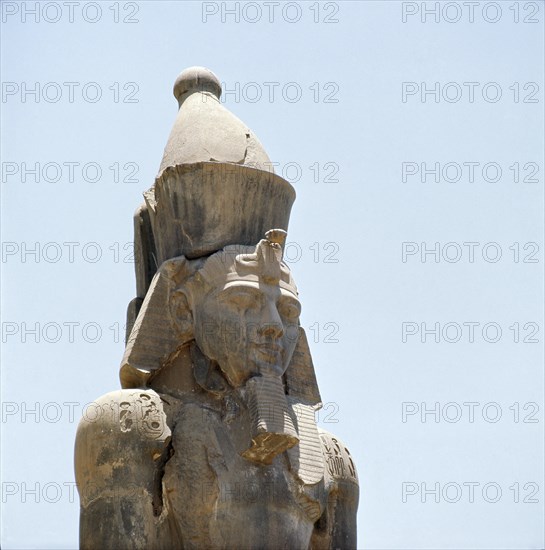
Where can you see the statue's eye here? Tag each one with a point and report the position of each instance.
(289, 309)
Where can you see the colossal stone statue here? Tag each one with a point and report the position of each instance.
(212, 442)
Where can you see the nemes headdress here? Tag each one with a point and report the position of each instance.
(214, 198)
(260, 263)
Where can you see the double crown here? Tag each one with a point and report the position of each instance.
(215, 185)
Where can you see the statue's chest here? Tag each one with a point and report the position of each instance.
(240, 481)
(268, 497)
(232, 502)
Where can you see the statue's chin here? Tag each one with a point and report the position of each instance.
(238, 374)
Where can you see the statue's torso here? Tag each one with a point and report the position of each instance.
(219, 499)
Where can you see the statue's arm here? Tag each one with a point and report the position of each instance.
(120, 445)
(337, 526)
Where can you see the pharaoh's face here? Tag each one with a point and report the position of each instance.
(247, 327)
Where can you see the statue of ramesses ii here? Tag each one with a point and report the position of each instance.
(212, 442)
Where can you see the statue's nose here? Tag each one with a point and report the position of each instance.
(272, 322)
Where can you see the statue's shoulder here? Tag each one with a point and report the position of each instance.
(339, 463)
(132, 413)
(122, 443)
(336, 528)
(121, 427)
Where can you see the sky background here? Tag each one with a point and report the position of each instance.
(335, 118)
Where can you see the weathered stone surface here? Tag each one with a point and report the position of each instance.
(197, 209)
(213, 442)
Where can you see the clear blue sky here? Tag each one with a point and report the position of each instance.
(327, 101)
